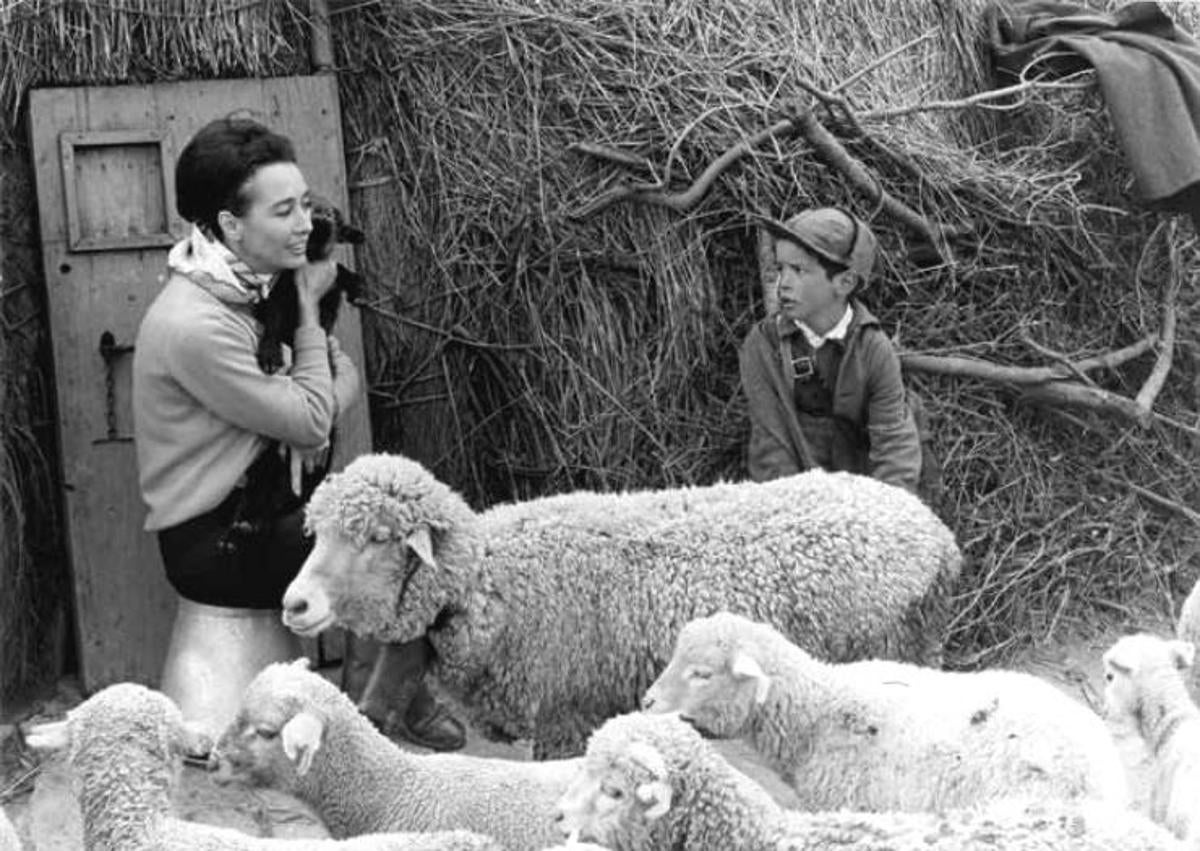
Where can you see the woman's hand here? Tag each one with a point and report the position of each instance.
(313, 280)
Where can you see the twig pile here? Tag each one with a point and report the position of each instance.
(562, 201)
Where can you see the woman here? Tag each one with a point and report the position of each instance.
(204, 410)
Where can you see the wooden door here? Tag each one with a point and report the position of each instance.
(105, 181)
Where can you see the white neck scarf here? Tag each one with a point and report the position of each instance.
(210, 264)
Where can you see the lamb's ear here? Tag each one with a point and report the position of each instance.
(302, 739)
(656, 796)
(744, 665)
(1117, 659)
(1183, 653)
(49, 736)
(420, 542)
(656, 792)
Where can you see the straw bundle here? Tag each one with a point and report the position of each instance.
(527, 339)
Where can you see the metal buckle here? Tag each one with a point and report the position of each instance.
(804, 366)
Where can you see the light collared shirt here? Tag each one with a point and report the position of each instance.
(837, 332)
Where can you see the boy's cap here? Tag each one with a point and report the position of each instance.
(831, 233)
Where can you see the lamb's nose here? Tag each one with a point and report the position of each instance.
(647, 701)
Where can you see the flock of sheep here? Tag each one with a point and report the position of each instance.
(622, 632)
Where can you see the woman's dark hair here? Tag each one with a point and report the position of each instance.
(216, 163)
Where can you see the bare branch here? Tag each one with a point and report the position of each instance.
(977, 99)
(831, 150)
(610, 154)
(1162, 366)
(683, 201)
(896, 51)
(1085, 396)
(968, 367)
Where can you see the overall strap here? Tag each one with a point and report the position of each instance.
(787, 398)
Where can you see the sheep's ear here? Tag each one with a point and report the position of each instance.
(1115, 659)
(421, 542)
(302, 739)
(49, 736)
(746, 666)
(656, 796)
(1183, 654)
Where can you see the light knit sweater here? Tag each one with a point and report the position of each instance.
(203, 408)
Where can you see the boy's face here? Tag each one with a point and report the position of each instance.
(806, 293)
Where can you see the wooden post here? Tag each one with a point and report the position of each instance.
(320, 46)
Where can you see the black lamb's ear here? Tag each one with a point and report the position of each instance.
(350, 234)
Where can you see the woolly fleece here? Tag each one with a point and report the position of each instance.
(651, 782)
(1145, 686)
(553, 614)
(125, 743)
(359, 781)
(879, 735)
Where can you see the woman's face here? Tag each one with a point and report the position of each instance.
(272, 231)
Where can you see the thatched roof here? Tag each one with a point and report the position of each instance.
(524, 339)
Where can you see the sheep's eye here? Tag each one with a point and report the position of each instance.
(700, 674)
(381, 535)
(267, 733)
(613, 792)
(1108, 676)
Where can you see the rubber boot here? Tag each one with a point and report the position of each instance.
(213, 654)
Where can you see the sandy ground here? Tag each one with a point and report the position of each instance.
(41, 804)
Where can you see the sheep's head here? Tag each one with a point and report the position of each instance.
(385, 563)
(715, 679)
(623, 789)
(1139, 664)
(124, 727)
(280, 726)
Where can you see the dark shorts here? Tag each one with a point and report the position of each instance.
(208, 561)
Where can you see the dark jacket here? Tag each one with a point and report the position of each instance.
(874, 434)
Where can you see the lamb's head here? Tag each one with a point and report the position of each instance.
(716, 678)
(388, 558)
(1140, 665)
(123, 728)
(280, 726)
(624, 787)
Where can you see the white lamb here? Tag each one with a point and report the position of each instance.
(880, 735)
(550, 615)
(124, 744)
(298, 733)
(650, 782)
(1146, 688)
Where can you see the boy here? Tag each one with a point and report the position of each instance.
(821, 377)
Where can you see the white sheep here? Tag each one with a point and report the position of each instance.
(124, 744)
(1145, 687)
(549, 615)
(297, 732)
(879, 735)
(650, 782)
(9, 841)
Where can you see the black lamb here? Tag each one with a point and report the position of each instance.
(279, 312)
(267, 493)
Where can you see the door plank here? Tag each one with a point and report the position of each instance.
(124, 606)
